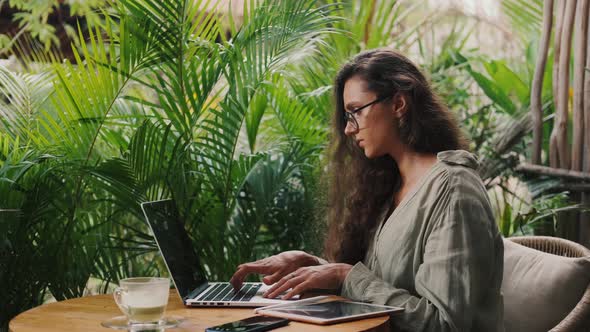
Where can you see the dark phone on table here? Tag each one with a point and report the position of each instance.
(250, 324)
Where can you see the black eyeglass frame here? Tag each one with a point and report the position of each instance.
(349, 116)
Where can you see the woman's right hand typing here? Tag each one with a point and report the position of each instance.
(274, 267)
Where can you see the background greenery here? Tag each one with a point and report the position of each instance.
(230, 118)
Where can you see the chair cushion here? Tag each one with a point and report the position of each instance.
(540, 289)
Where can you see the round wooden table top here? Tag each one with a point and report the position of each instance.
(86, 314)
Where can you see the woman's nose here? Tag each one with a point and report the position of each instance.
(349, 129)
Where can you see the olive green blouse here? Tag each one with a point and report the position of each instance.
(439, 255)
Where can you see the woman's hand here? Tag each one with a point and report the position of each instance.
(327, 276)
(274, 267)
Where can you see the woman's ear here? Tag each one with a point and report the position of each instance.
(399, 105)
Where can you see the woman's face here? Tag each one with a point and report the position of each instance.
(377, 124)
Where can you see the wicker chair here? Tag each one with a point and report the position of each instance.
(579, 318)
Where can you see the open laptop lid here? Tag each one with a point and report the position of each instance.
(175, 246)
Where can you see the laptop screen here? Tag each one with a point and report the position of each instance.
(175, 245)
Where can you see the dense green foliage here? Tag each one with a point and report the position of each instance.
(44, 21)
(161, 103)
(154, 110)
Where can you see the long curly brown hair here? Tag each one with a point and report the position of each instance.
(360, 189)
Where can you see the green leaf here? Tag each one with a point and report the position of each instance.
(508, 81)
(505, 223)
(254, 117)
(494, 92)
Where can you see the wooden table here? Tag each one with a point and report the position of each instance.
(86, 313)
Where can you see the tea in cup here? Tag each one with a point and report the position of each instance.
(143, 300)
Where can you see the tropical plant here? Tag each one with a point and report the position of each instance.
(163, 102)
(49, 22)
(525, 17)
(503, 131)
(154, 107)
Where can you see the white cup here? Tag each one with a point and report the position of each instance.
(143, 300)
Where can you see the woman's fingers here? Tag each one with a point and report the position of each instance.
(271, 279)
(244, 269)
(302, 287)
(278, 284)
(289, 281)
(328, 276)
(274, 267)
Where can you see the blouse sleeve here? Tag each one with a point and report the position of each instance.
(450, 283)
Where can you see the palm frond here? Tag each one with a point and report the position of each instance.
(271, 36)
(499, 156)
(22, 97)
(258, 200)
(525, 16)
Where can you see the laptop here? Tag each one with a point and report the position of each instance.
(184, 265)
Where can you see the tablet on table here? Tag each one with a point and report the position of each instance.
(326, 310)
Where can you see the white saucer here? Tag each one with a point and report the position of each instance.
(122, 323)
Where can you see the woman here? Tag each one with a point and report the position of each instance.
(410, 221)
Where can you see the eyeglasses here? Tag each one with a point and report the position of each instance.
(352, 117)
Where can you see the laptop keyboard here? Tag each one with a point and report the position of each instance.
(225, 292)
